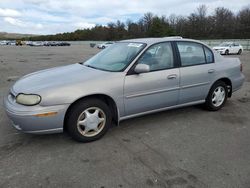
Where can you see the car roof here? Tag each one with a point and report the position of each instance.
(150, 41)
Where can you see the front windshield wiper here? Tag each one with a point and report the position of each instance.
(89, 66)
(97, 68)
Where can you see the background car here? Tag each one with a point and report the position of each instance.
(104, 45)
(130, 78)
(55, 43)
(227, 48)
(3, 42)
(35, 43)
(11, 43)
(63, 44)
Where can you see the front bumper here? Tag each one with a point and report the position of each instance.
(221, 51)
(25, 119)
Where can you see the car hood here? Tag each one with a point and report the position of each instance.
(56, 77)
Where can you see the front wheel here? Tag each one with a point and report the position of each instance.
(240, 51)
(217, 96)
(88, 120)
(227, 52)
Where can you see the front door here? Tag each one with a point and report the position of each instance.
(156, 89)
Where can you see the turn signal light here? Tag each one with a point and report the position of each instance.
(46, 114)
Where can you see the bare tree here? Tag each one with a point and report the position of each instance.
(148, 19)
(202, 11)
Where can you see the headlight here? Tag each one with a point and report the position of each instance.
(28, 100)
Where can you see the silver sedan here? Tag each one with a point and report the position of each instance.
(128, 79)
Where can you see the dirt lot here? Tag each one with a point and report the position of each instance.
(187, 147)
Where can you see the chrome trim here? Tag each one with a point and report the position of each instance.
(194, 85)
(152, 92)
(161, 109)
(166, 90)
(57, 130)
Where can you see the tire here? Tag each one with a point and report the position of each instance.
(214, 103)
(103, 47)
(227, 52)
(239, 52)
(78, 115)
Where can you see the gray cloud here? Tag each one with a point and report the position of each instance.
(52, 16)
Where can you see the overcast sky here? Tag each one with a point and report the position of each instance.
(54, 16)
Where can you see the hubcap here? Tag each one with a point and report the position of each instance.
(218, 96)
(91, 121)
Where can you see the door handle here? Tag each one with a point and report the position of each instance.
(211, 71)
(172, 76)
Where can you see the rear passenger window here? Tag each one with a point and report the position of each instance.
(209, 55)
(191, 53)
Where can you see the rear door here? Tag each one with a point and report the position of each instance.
(236, 48)
(196, 71)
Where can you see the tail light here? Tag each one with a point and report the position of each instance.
(241, 67)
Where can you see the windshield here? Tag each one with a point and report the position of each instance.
(225, 44)
(116, 57)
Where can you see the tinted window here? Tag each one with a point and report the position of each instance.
(209, 55)
(158, 57)
(191, 53)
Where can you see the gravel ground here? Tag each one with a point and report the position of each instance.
(187, 147)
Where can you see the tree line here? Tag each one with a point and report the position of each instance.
(221, 24)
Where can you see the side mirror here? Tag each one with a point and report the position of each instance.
(142, 68)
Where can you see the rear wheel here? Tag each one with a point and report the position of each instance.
(88, 120)
(217, 96)
(240, 51)
(227, 52)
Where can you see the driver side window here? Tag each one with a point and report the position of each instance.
(158, 57)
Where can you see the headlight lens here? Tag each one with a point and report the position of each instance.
(28, 99)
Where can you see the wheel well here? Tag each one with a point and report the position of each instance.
(105, 98)
(229, 85)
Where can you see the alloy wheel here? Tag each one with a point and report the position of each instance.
(91, 121)
(218, 96)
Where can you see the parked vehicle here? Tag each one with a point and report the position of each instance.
(53, 43)
(19, 42)
(35, 43)
(130, 78)
(63, 44)
(104, 45)
(28, 43)
(11, 43)
(227, 48)
(50, 43)
(92, 45)
(7, 42)
(3, 42)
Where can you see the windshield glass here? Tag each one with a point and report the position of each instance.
(116, 57)
(225, 44)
